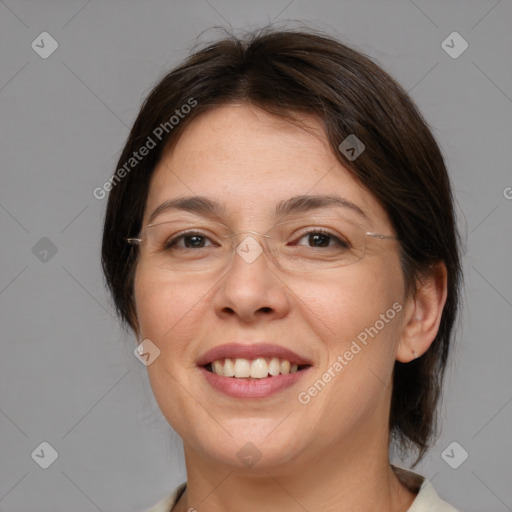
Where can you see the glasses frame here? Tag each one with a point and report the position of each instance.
(139, 239)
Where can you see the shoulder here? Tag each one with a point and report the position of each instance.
(427, 499)
(166, 504)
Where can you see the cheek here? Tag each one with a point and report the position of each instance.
(167, 310)
(357, 318)
(353, 299)
(168, 314)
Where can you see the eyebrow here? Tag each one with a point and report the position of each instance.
(206, 207)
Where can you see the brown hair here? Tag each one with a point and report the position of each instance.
(286, 72)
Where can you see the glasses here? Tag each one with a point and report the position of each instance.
(306, 244)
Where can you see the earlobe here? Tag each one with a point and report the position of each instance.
(423, 314)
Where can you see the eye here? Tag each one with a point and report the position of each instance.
(320, 238)
(191, 240)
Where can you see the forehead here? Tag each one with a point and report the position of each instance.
(250, 160)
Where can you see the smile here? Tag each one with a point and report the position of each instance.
(256, 370)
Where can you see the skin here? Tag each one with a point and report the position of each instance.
(331, 454)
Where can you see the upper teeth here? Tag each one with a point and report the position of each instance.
(258, 368)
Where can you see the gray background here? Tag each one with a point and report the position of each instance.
(68, 375)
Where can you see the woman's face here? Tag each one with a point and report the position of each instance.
(345, 321)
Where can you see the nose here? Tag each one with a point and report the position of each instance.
(251, 289)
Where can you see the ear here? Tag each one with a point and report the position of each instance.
(423, 313)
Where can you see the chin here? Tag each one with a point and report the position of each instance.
(254, 444)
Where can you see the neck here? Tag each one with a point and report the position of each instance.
(356, 476)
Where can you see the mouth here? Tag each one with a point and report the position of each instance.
(252, 371)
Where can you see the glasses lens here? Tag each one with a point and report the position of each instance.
(316, 244)
(184, 247)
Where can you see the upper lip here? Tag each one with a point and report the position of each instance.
(251, 351)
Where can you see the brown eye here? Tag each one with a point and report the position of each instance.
(190, 241)
(321, 239)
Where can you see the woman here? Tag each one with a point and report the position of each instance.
(280, 236)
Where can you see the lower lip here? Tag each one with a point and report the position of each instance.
(252, 388)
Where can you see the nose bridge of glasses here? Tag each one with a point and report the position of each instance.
(249, 244)
(238, 235)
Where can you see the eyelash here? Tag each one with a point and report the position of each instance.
(333, 237)
(174, 240)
